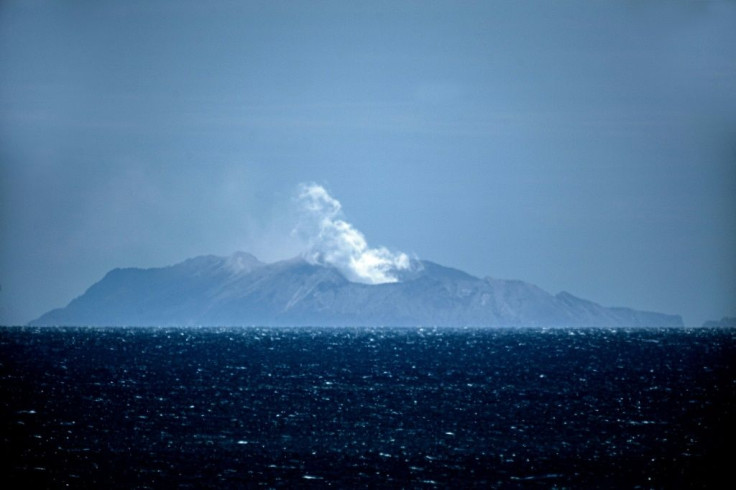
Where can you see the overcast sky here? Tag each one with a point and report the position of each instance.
(581, 146)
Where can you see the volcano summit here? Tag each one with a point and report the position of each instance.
(240, 290)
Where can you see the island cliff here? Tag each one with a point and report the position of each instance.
(240, 290)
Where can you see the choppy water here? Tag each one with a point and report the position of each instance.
(411, 408)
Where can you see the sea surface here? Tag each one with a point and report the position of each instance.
(366, 407)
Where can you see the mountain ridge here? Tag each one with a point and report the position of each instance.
(240, 290)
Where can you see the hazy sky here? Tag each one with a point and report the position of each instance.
(581, 146)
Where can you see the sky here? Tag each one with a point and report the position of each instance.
(587, 147)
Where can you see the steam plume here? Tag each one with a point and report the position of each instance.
(333, 241)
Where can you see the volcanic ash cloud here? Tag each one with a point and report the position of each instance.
(333, 241)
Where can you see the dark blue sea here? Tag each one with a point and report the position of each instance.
(360, 407)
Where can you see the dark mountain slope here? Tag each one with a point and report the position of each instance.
(240, 290)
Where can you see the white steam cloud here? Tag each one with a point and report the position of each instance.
(333, 241)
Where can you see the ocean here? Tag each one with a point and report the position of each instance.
(366, 407)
